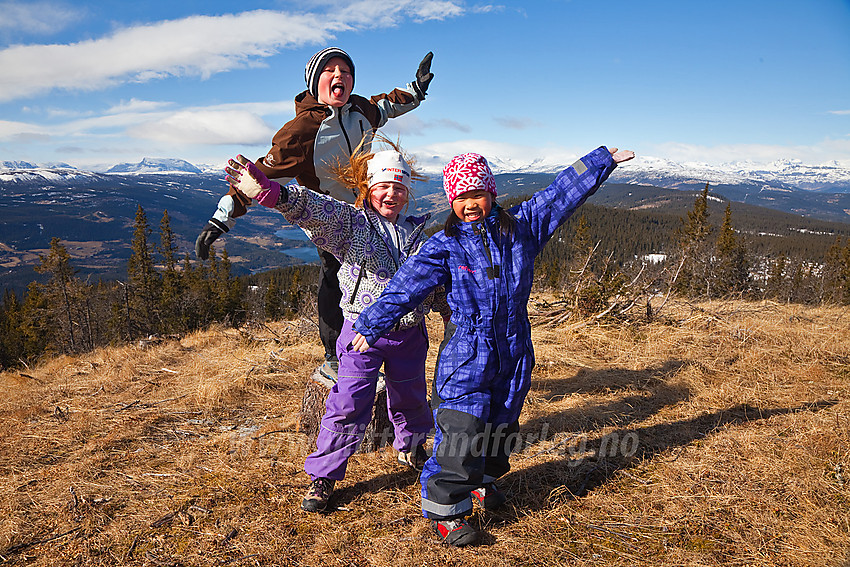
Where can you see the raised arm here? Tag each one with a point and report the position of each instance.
(550, 208)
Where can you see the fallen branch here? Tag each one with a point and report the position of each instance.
(22, 546)
(31, 377)
(128, 406)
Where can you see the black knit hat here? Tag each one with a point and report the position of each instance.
(318, 62)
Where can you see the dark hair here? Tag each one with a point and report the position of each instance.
(507, 222)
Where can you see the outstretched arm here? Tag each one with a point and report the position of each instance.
(550, 208)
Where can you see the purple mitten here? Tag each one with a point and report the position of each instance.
(270, 197)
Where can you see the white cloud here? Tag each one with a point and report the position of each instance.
(177, 48)
(135, 105)
(237, 123)
(487, 8)
(388, 13)
(209, 127)
(36, 17)
(10, 129)
(840, 112)
(170, 48)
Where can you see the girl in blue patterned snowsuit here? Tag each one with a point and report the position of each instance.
(485, 260)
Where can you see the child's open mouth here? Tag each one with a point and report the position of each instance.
(338, 90)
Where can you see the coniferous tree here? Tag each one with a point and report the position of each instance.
(695, 275)
(227, 291)
(143, 280)
(172, 283)
(11, 331)
(35, 322)
(833, 279)
(273, 300)
(732, 272)
(62, 292)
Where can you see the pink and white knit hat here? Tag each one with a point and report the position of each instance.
(467, 172)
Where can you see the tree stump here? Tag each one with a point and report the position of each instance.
(379, 432)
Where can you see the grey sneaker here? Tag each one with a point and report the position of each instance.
(414, 459)
(329, 369)
(318, 494)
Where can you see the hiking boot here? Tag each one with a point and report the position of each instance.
(329, 369)
(414, 459)
(490, 497)
(318, 494)
(455, 532)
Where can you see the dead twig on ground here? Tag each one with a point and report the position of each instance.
(22, 546)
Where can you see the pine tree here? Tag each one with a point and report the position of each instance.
(11, 332)
(273, 300)
(695, 275)
(833, 279)
(35, 322)
(732, 273)
(61, 291)
(172, 282)
(142, 279)
(227, 290)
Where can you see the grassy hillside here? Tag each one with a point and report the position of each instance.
(725, 430)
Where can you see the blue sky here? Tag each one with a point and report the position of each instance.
(97, 83)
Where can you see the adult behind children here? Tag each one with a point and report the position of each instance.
(485, 259)
(371, 239)
(330, 122)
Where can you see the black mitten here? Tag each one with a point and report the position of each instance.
(208, 235)
(423, 76)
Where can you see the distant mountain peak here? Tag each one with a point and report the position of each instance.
(17, 165)
(155, 165)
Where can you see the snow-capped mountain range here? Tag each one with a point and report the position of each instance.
(780, 174)
(157, 166)
(783, 174)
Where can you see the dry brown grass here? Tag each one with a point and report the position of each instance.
(727, 444)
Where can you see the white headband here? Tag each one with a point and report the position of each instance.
(388, 166)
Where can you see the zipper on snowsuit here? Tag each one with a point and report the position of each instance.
(493, 272)
(344, 133)
(347, 139)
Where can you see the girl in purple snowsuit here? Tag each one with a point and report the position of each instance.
(371, 239)
(485, 260)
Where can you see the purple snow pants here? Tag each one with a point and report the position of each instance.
(348, 409)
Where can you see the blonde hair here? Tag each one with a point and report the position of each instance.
(354, 172)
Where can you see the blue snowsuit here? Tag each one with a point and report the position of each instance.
(485, 361)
